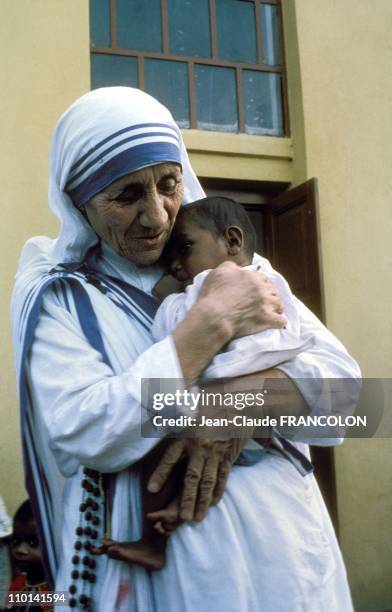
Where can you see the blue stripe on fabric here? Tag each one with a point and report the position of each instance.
(88, 319)
(26, 305)
(64, 292)
(42, 534)
(129, 312)
(45, 495)
(131, 128)
(36, 481)
(33, 317)
(148, 303)
(145, 303)
(42, 473)
(116, 299)
(139, 156)
(115, 146)
(30, 459)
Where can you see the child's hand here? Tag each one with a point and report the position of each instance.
(167, 285)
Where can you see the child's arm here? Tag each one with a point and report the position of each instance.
(175, 306)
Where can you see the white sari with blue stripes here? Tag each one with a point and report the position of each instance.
(267, 546)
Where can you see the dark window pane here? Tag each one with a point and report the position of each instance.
(99, 23)
(236, 30)
(168, 82)
(216, 98)
(139, 25)
(189, 27)
(263, 103)
(270, 28)
(107, 70)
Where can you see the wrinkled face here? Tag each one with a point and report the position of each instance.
(25, 547)
(136, 214)
(193, 249)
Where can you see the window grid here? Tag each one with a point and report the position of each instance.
(214, 60)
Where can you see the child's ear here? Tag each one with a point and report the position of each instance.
(234, 239)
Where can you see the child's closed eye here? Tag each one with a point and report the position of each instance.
(184, 248)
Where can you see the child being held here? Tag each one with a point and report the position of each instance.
(207, 233)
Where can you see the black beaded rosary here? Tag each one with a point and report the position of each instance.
(88, 533)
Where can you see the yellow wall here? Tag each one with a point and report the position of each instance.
(343, 99)
(44, 67)
(339, 57)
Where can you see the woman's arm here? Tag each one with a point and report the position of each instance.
(93, 415)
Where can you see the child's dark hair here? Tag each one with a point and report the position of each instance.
(24, 513)
(216, 214)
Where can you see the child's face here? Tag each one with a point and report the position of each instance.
(193, 249)
(25, 546)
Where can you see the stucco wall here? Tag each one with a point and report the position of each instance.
(44, 67)
(344, 56)
(339, 57)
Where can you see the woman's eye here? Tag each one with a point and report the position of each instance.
(168, 185)
(129, 195)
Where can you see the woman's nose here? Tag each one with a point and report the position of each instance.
(154, 214)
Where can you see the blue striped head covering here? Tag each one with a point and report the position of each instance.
(125, 150)
(104, 135)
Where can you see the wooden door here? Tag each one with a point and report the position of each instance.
(291, 243)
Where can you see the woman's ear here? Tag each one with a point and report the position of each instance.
(234, 238)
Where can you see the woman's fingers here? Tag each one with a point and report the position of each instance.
(192, 479)
(223, 475)
(161, 473)
(207, 486)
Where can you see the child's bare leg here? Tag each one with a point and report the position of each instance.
(149, 552)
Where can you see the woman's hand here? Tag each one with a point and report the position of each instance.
(233, 302)
(209, 464)
(247, 299)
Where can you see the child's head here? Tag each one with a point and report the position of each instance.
(24, 543)
(207, 233)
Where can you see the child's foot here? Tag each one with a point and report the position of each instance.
(140, 553)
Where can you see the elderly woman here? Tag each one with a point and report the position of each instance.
(82, 310)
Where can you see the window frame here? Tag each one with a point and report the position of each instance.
(214, 60)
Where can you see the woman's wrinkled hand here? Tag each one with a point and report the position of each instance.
(209, 464)
(248, 300)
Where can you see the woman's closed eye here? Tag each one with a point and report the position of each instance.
(168, 184)
(130, 195)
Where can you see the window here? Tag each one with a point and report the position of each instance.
(216, 64)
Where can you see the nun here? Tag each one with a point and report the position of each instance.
(82, 312)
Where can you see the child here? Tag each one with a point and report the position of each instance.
(207, 233)
(5, 566)
(27, 559)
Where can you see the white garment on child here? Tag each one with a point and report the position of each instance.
(248, 354)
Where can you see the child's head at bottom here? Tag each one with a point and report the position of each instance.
(25, 546)
(207, 233)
